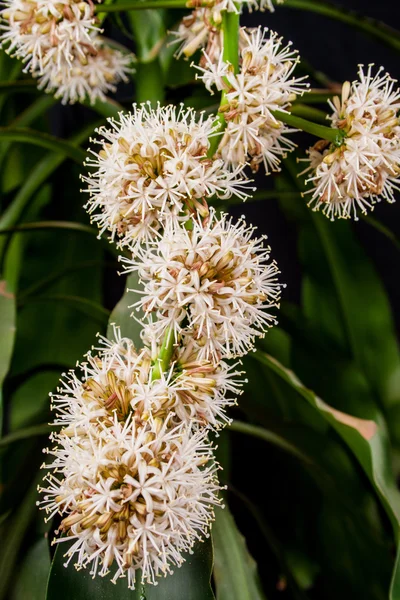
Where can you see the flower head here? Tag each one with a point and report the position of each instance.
(59, 42)
(153, 166)
(93, 79)
(118, 382)
(214, 283)
(264, 83)
(132, 495)
(365, 164)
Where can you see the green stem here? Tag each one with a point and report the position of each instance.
(378, 30)
(140, 5)
(230, 28)
(326, 133)
(308, 112)
(164, 358)
(149, 82)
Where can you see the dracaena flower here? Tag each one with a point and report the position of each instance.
(98, 76)
(133, 494)
(153, 167)
(364, 165)
(118, 381)
(265, 83)
(59, 42)
(214, 282)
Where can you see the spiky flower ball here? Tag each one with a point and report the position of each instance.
(153, 167)
(265, 83)
(353, 174)
(59, 42)
(120, 381)
(132, 494)
(214, 283)
(135, 485)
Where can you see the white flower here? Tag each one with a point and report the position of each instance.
(94, 79)
(132, 494)
(214, 283)
(264, 84)
(118, 382)
(202, 28)
(59, 42)
(153, 166)
(364, 165)
(39, 31)
(203, 387)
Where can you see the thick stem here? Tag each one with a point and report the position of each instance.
(230, 28)
(164, 358)
(335, 136)
(149, 82)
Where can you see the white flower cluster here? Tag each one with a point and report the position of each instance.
(202, 28)
(153, 168)
(133, 474)
(364, 165)
(59, 41)
(265, 83)
(214, 283)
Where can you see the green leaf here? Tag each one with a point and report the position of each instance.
(121, 315)
(7, 330)
(66, 583)
(33, 573)
(23, 434)
(365, 438)
(149, 30)
(12, 537)
(44, 140)
(344, 297)
(235, 571)
(36, 178)
(191, 581)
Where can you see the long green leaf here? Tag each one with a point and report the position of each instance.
(44, 140)
(66, 583)
(33, 573)
(365, 438)
(7, 331)
(235, 571)
(191, 581)
(12, 539)
(38, 176)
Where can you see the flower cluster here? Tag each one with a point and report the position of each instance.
(214, 282)
(264, 84)
(135, 483)
(202, 28)
(364, 164)
(60, 43)
(153, 168)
